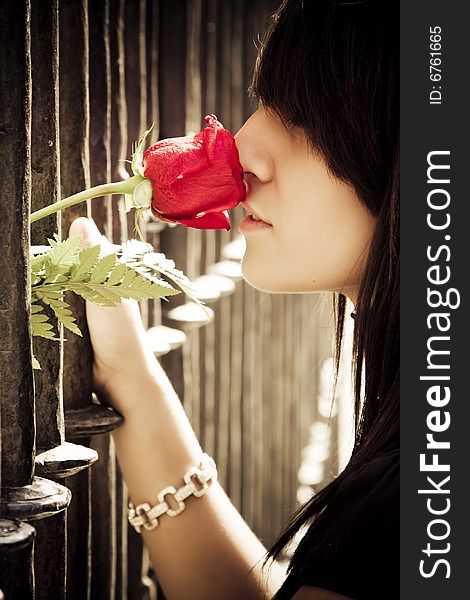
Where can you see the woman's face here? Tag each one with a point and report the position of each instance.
(318, 232)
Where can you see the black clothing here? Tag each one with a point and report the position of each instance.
(354, 546)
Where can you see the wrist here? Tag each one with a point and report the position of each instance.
(131, 386)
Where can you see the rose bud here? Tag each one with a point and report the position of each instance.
(191, 180)
(195, 179)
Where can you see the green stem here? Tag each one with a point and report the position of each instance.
(127, 186)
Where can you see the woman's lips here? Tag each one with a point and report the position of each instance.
(248, 208)
(249, 224)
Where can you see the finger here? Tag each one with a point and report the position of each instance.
(89, 231)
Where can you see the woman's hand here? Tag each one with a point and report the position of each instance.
(121, 354)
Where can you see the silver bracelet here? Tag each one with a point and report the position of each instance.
(196, 479)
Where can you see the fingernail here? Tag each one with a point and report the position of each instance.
(92, 232)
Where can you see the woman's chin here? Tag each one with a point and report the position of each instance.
(260, 280)
(256, 279)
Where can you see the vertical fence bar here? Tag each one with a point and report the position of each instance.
(16, 377)
(74, 175)
(122, 496)
(79, 537)
(118, 133)
(277, 427)
(209, 93)
(241, 440)
(136, 122)
(194, 236)
(222, 417)
(16, 391)
(50, 544)
(172, 105)
(251, 27)
(248, 404)
(136, 89)
(272, 332)
(224, 78)
(103, 475)
(290, 404)
(258, 416)
(152, 21)
(250, 379)
(223, 324)
(208, 250)
(100, 110)
(136, 70)
(22, 495)
(45, 189)
(285, 466)
(298, 400)
(16, 559)
(236, 119)
(172, 109)
(306, 365)
(118, 110)
(152, 226)
(237, 64)
(50, 557)
(103, 486)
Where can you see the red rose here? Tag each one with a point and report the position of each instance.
(197, 178)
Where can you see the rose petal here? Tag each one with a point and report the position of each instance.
(194, 175)
(215, 220)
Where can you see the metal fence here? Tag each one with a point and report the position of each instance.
(80, 81)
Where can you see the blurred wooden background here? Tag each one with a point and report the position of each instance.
(81, 81)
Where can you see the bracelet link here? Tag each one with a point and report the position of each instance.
(195, 473)
(140, 516)
(146, 516)
(171, 491)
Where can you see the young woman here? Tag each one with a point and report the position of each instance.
(321, 158)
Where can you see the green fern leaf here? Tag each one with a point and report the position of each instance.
(35, 363)
(45, 330)
(37, 268)
(87, 260)
(40, 325)
(144, 275)
(128, 278)
(48, 292)
(153, 285)
(61, 258)
(123, 282)
(62, 312)
(97, 293)
(71, 326)
(103, 268)
(117, 274)
(137, 293)
(39, 318)
(141, 255)
(64, 253)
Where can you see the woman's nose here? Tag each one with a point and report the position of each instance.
(253, 151)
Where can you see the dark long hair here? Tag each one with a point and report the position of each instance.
(331, 68)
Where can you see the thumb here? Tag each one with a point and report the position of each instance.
(89, 231)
